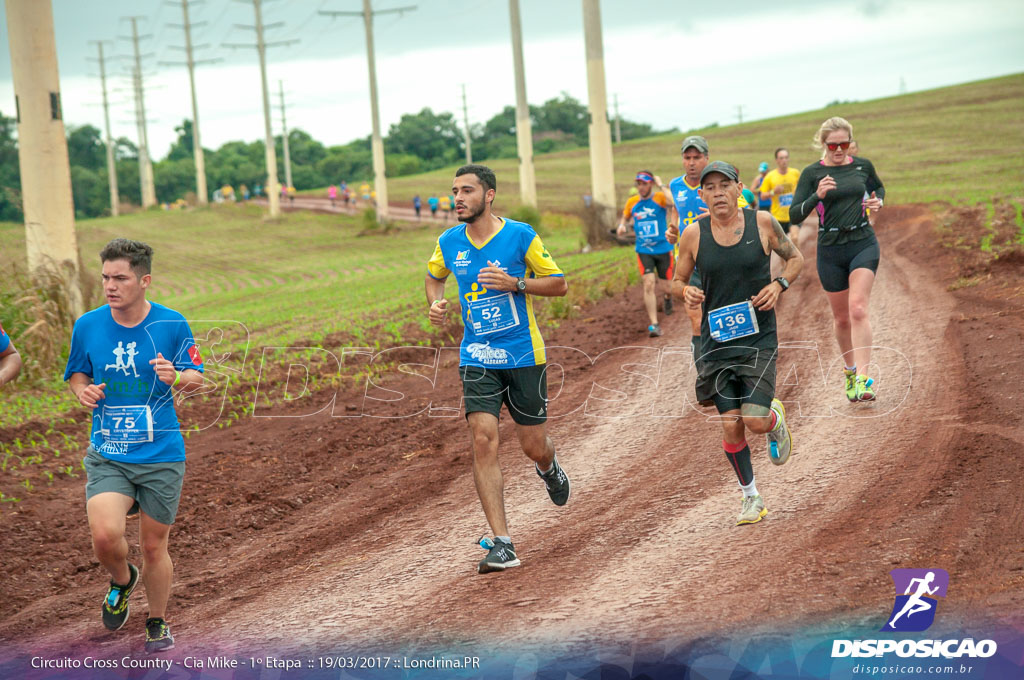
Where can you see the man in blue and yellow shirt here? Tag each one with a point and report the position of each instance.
(647, 214)
(499, 265)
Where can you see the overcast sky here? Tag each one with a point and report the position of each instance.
(672, 63)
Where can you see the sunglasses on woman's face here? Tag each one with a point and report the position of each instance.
(832, 146)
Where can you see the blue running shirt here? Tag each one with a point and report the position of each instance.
(501, 330)
(649, 222)
(136, 421)
(689, 203)
(5, 340)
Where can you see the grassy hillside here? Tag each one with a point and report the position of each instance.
(960, 144)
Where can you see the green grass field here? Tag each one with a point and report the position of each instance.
(959, 144)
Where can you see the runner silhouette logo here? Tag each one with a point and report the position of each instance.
(917, 591)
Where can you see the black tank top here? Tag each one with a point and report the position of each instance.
(731, 274)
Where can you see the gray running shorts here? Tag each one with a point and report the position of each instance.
(156, 487)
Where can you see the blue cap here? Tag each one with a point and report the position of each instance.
(762, 167)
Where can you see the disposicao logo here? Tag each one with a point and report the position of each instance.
(914, 609)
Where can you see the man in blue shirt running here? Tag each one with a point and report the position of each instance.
(128, 359)
(499, 265)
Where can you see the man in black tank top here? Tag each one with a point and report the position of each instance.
(731, 251)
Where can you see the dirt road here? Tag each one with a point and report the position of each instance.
(359, 531)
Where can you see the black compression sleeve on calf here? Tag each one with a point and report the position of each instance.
(740, 462)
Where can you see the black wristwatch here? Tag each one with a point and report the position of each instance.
(783, 282)
(520, 285)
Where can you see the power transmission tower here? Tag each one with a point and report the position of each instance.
(602, 172)
(148, 191)
(115, 199)
(465, 124)
(377, 143)
(272, 188)
(197, 146)
(618, 122)
(284, 138)
(50, 240)
(524, 130)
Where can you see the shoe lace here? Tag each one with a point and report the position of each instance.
(156, 628)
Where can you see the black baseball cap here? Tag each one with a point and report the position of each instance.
(722, 168)
(697, 142)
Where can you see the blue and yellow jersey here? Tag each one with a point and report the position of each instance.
(5, 340)
(649, 222)
(501, 329)
(689, 203)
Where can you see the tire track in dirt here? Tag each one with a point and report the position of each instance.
(646, 549)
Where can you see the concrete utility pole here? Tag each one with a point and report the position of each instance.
(273, 189)
(524, 130)
(739, 112)
(284, 138)
(602, 173)
(115, 199)
(47, 202)
(377, 142)
(198, 158)
(148, 191)
(465, 125)
(618, 122)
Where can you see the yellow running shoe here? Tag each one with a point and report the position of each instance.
(863, 388)
(851, 384)
(780, 439)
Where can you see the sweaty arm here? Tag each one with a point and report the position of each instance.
(805, 198)
(10, 364)
(779, 243)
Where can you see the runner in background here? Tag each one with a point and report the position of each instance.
(417, 205)
(433, 202)
(762, 203)
(647, 214)
(842, 188)
(332, 193)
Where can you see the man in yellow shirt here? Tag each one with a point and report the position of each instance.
(779, 185)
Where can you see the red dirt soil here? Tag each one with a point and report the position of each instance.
(321, 531)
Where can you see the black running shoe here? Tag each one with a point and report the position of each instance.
(500, 556)
(158, 636)
(654, 330)
(669, 305)
(556, 481)
(115, 604)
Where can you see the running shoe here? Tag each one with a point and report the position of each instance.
(753, 510)
(863, 387)
(115, 604)
(158, 636)
(780, 439)
(669, 305)
(556, 481)
(655, 330)
(851, 384)
(500, 556)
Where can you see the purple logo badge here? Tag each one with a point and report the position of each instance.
(916, 593)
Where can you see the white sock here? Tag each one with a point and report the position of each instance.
(504, 539)
(851, 369)
(749, 490)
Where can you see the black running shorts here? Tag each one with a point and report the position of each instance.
(524, 390)
(835, 263)
(662, 263)
(730, 383)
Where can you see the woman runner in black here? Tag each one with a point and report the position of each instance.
(842, 188)
(736, 371)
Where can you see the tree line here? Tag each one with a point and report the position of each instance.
(417, 143)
